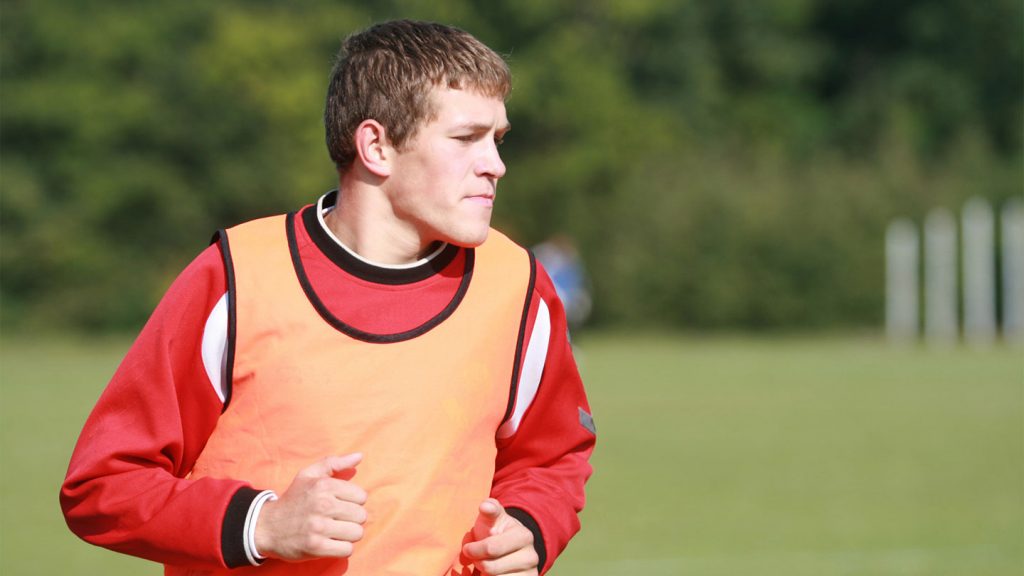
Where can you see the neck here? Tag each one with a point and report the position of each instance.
(365, 222)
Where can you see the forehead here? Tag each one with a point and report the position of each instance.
(453, 107)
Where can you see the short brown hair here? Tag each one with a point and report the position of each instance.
(386, 73)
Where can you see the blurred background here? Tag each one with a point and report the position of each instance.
(726, 170)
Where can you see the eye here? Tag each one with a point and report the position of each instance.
(499, 140)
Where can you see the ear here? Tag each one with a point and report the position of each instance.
(373, 148)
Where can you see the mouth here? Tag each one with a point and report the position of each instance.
(483, 199)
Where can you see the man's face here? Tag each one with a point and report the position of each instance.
(444, 179)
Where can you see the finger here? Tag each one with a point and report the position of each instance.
(349, 512)
(327, 496)
(337, 464)
(490, 512)
(491, 508)
(343, 531)
(519, 562)
(331, 507)
(323, 547)
(346, 491)
(504, 544)
(331, 465)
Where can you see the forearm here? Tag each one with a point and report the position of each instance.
(544, 448)
(547, 501)
(127, 485)
(152, 515)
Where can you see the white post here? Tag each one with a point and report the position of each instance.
(978, 257)
(901, 287)
(1013, 271)
(940, 320)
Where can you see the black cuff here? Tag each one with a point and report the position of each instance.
(538, 538)
(232, 531)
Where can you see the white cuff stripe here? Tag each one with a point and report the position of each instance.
(251, 553)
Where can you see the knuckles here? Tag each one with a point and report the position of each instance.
(323, 505)
(491, 549)
(324, 484)
(315, 527)
(525, 562)
(310, 542)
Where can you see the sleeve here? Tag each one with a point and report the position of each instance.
(127, 486)
(545, 443)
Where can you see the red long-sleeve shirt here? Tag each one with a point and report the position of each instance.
(127, 487)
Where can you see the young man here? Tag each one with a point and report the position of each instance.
(376, 384)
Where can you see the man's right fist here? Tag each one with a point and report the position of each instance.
(320, 515)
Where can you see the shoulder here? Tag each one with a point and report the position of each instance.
(203, 280)
(543, 287)
(256, 233)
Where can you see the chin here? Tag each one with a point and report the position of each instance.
(470, 239)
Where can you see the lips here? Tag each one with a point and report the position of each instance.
(485, 199)
(482, 197)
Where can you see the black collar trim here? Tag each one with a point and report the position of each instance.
(356, 333)
(364, 270)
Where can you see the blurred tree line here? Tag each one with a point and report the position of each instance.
(722, 163)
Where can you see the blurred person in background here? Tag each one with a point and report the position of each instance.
(562, 261)
(375, 383)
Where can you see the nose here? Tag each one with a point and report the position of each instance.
(490, 163)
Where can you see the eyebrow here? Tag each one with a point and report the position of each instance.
(480, 127)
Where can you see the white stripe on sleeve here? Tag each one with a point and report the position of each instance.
(532, 370)
(215, 346)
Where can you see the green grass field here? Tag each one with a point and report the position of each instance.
(721, 456)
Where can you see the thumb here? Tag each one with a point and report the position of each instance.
(331, 466)
(487, 519)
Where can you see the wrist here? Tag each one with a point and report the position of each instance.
(254, 539)
(530, 523)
